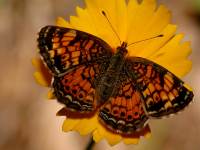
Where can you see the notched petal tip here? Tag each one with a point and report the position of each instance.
(63, 23)
(82, 126)
(113, 139)
(86, 126)
(69, 124)
(96, 136)
(129, 141)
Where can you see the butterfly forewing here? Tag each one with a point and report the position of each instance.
(162, 92)
(77, 90)
(64, 49)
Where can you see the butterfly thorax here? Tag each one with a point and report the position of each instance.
(111, 76)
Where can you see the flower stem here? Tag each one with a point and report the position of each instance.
(90, 144)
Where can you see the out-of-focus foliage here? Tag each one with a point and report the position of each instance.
(196, 5)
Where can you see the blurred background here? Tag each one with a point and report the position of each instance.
(27, 119)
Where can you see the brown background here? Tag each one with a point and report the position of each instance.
(28, 121)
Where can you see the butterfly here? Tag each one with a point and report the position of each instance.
(89, 78)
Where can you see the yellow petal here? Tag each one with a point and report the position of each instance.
(181, 68)
(148, 48)
(50, 94)
(42, 75)
(121, 15)
(40, 79)
(152, 27)
(85, 22)
(103, 28)
(173, 56)
(147, 135)
(69, 124)
(139, 17)
(188, 87)
(86, 126)
(97, 136)
(131, 140)
(63, 23)
(110, 137)
(36, 62)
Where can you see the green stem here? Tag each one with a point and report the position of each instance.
(90, 144)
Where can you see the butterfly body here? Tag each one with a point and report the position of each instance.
(89, 78)
(110, 77)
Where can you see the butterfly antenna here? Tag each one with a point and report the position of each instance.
(158, 36)
(103, 12)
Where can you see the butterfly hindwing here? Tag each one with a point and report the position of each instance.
(77, 90)
(63, 49)
(123, 113)
(162, 92)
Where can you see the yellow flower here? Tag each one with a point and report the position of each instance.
(133, 21)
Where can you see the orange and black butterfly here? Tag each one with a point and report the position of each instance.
(89, 78)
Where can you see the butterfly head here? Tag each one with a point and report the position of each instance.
(123, 48)
(124, 45)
